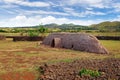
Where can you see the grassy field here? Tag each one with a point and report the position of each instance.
(106, 33)
(10, 34)
(19, 57)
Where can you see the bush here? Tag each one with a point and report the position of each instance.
(32, 34)
(87, 72)
(42, 29)
(2, 30)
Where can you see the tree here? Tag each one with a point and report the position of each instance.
(42, 29)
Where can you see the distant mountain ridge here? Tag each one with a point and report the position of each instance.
(53, 25)
(102, 27)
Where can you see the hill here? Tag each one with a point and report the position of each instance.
(107, 26)
(53, 25)
(67, 27)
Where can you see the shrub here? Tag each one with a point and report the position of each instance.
(88, 72)
(42, 29)
(2, 30)
(32, 33)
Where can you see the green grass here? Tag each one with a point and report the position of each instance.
(10, 34)
(106, 33)
(88, 72)
(113, 47)
(25, 34)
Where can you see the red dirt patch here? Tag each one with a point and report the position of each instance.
(18, 76)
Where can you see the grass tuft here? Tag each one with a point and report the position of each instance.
(88, 72)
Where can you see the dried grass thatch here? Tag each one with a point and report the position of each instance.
(76, 41)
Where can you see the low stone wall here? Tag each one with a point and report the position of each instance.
(108, 37)
(10, 36)
(27, 38)
(2, 37)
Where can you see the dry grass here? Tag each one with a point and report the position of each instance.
(113, 47)
(10, 34)
(27, 56)
(105, 33)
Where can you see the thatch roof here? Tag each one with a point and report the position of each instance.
(76, 41)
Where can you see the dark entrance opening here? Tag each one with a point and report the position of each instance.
(72, 46)
(53, 43)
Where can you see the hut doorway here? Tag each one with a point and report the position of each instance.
(56, 42)
(53, 43)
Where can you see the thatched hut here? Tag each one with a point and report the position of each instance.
(76, 41)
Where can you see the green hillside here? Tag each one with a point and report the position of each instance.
(107, 26)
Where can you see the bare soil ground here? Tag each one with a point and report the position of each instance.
(109, 68)
(25, 75)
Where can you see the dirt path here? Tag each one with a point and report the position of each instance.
(25, 75)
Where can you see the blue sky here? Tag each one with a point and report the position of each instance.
(33, 12)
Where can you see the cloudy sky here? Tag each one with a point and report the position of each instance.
(33, 12)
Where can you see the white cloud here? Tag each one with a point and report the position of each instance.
(86, 1)
(86, 13)
(10, 9)
(8, 6)
(45, 12)
(117, 18)
(93, 13)
(68, 9)
(22, 20)
(89, 8)
(117, 7)
(35, 4)
(11, 1)
(27, 3)
(90, 3)
(16, 10)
